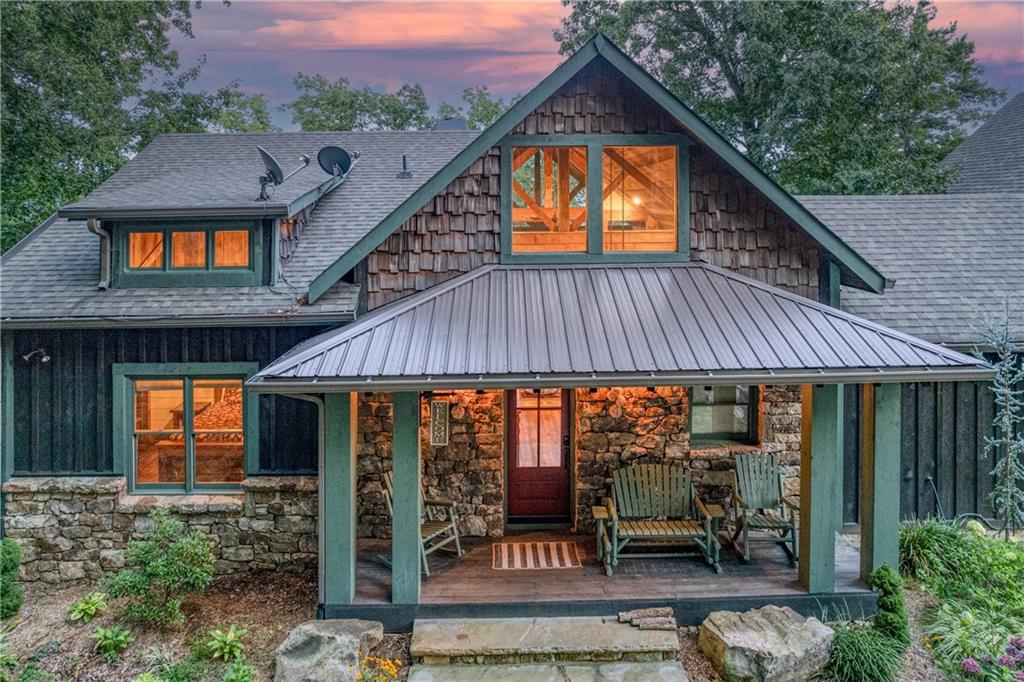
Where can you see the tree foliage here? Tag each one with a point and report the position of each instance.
(482, 108)
(326, 105)
(827, 97)
(85, 85)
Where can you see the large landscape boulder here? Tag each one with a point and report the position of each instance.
(326, 650)
(770, 644)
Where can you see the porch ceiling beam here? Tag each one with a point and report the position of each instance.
(560, 380)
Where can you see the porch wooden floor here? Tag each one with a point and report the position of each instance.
(471, 580)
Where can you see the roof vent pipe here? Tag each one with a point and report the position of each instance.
(94, 227)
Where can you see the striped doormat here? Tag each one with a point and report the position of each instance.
(532, 556)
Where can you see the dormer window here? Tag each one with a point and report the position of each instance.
(577, 198)
(226, 253)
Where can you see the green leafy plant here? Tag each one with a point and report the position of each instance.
(11, 595)
(891, 618)
(110, 642)
(87, 608)
(7, 659)
(147, 677)
(33, 673)
(239, 671)
(863, 654)
(227, 646)
(960, 631)
(930, 550)
(161, 569)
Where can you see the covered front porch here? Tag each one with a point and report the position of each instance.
(510, 329)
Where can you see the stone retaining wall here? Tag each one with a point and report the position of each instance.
(71, 528)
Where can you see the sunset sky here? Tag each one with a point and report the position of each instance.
(446, 47)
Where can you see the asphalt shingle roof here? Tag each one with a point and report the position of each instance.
(955, 259)
(589, 324)
(53, 274)
(992, 158)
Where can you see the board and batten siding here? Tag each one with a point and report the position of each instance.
(944, 467)
(62, 408)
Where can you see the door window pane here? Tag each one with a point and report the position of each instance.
(146, 250)
(231, 249)
(539, 428)
(549, 199)
(188, 249)
(639, 198)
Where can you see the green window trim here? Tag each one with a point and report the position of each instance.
(751, 437)
(167, 276)
(124, 376)
(595, 144)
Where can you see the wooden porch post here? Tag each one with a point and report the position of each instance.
(405, 529)
(880, 477)
(338, 500)
(820, 449)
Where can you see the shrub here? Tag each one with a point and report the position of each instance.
(863, 654)
(930, 550)
(7, 659)
(891, 618)
(227, 646)
(110, 642)
(960, 631)
(88, 607)
(161, 569)
(239, 672)
(11, 595)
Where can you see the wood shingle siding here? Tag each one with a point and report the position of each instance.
(457, 231)
(62, 408)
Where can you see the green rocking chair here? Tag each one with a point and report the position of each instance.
(438, 524)
(760, 506)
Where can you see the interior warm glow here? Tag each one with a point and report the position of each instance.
(159, 431)
(549, 199)
(639, 198)
(539, 420)
(188, 249)
(146, 250)
(231, 249)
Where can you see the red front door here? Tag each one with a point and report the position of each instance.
(538, 454)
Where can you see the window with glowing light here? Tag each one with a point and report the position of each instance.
(549, 199)
(639, 201)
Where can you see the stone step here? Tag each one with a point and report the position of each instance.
(537, 640)
(619, 671)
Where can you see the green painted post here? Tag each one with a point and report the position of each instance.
(821, 448)
(405, 530)
(338, 500)
(7, 408)
(880, 476)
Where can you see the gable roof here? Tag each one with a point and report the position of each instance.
(955, 259)
(991, 159)
(583, 325)
(856, 271)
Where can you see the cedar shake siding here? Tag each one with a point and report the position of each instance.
(732, 224)
(62, 408)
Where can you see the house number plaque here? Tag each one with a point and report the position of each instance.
(439, 422)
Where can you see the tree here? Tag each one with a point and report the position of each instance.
(1007, 446)
(482, 108)
(325, 105)
(77, 97)
(841, 97)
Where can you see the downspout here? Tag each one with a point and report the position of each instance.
(94, 227)
(321, 589)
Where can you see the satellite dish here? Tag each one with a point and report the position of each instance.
(275, 176)
(334, 160)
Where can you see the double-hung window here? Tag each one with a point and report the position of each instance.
(574, 198)
(184, 427)
(724, 414)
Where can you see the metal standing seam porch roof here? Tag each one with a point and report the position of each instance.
(503, 326)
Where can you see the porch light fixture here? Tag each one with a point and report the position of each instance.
(41, 352)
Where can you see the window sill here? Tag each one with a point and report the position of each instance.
(182, 504)
(713, 449)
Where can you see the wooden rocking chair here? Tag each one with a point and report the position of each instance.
(760, 506)
(438, 523)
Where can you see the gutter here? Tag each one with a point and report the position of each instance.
(155, 322)
(94, 226)
(870, 375)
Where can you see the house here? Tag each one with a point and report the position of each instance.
(469, 313)
(957, 261)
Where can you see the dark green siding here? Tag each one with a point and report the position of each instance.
(62, 408)
(944, 467)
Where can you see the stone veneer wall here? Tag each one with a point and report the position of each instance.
(71, 528)
(469, 470)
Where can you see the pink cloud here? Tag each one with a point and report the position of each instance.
(995, 28)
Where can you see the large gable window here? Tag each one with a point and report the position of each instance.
(184, 427)
(578, 198)
(227, 253)
(549, 199)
